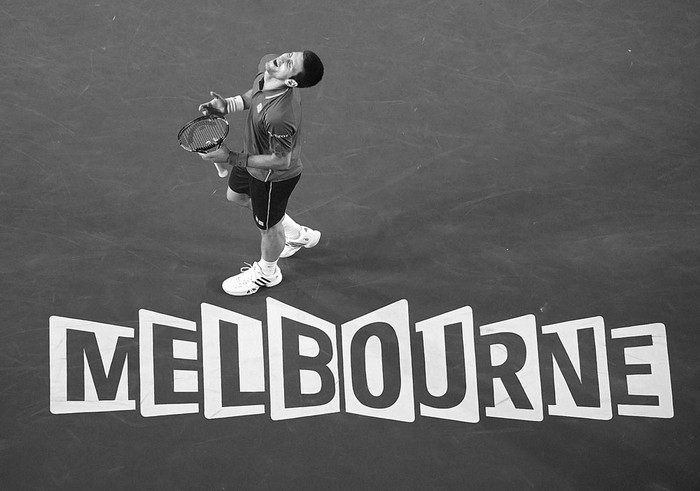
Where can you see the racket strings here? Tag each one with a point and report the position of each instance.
(205, 134)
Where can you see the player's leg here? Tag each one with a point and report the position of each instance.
(238, 191)
(239, 199)
(291, 228)
(273, 209)
(297, 236)
(268, 202)
(272, 243)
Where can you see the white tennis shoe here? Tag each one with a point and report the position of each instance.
(307, 239)
(250, 280)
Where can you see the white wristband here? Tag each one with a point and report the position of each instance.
(234, 104)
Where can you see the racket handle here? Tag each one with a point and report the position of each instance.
(223, 172)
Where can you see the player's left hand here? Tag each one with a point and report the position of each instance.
(215, 106)
(220, 155)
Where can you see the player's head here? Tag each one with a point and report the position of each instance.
(296, 68)
(311, 72)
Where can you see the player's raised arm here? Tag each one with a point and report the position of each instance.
(220, 106)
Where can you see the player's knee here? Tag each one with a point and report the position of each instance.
(237, 198)
(275, 231)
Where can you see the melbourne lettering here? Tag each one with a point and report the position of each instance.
(379, 365)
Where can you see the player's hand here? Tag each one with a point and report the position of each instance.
(215, 106)
(220, 155)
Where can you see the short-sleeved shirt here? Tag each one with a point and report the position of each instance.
(273, 126)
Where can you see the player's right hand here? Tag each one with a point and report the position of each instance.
(219, 156)
(215, 106)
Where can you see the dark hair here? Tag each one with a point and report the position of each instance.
(312, 73)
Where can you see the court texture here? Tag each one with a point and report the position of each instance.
(506, 291)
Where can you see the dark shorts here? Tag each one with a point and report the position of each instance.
(269, 199)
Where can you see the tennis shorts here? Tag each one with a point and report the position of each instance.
(269, 199)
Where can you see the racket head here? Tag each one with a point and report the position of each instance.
(203, 133)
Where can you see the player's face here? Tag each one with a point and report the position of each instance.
(285, 66)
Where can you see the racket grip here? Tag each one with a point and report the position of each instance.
(223, 172)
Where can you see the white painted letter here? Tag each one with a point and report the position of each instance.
(249, 358)
(303, 363)
(651, 358)
(107, 338)
(518, 374)
(436, 377)
(183, 381)
(597, 375)
(377, 364)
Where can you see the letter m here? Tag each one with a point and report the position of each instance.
(88, 364)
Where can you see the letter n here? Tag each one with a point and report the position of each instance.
(303, 363)
(88, 366)
(377, 364)
(580, 369)
(517, 388)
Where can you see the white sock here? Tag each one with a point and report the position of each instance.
(268, 268)
(292, 230)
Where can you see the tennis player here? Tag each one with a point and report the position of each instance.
(265, 173)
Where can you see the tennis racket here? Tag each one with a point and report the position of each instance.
(204, 134)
